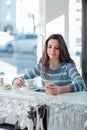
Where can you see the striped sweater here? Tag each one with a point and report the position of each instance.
(65, 74)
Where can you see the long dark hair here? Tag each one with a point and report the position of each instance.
(64, 53)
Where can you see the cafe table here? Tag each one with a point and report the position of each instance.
(68, 111)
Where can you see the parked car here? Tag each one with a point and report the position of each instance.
(23, 43)
(4, 38)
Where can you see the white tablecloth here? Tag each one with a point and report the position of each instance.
(72, 105)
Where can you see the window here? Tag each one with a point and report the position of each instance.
(18, 51)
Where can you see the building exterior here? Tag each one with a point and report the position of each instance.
(7, 15)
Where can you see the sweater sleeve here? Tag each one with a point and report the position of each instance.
(78, 83)
(33, 73)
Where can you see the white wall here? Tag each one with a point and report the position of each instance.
(57, 12)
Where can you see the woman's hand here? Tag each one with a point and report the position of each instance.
(18, 82)
(53, 90)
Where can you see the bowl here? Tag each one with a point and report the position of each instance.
(3, 117)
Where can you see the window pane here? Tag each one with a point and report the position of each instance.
(21, 31)
(75, 27)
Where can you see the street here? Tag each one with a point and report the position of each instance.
(21, 61)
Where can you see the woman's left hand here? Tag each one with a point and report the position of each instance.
(53, 90)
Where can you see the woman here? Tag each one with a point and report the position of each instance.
(56, 66)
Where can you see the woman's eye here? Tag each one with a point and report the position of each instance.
(57, 48)
(49, 47)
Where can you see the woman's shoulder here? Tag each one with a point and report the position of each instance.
(68, 64)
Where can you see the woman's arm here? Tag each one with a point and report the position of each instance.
(78, 83)
(18, 82)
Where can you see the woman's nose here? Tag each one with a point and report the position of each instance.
(53, 49)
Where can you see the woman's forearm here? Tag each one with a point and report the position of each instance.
(64, 89)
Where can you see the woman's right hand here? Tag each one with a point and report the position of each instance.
(18, 82)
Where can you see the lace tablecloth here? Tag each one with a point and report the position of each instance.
(66, 110)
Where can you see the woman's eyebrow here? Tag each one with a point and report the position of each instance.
(57, 45)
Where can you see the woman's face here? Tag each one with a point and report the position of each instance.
(53, 49)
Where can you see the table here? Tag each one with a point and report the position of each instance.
(68, 110)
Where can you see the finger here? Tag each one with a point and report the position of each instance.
(49, 90)
(18, 84)
(21, 80)
(50, 86)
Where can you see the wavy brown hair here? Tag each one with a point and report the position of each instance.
(64, 53)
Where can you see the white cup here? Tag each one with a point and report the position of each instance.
(33, 83)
